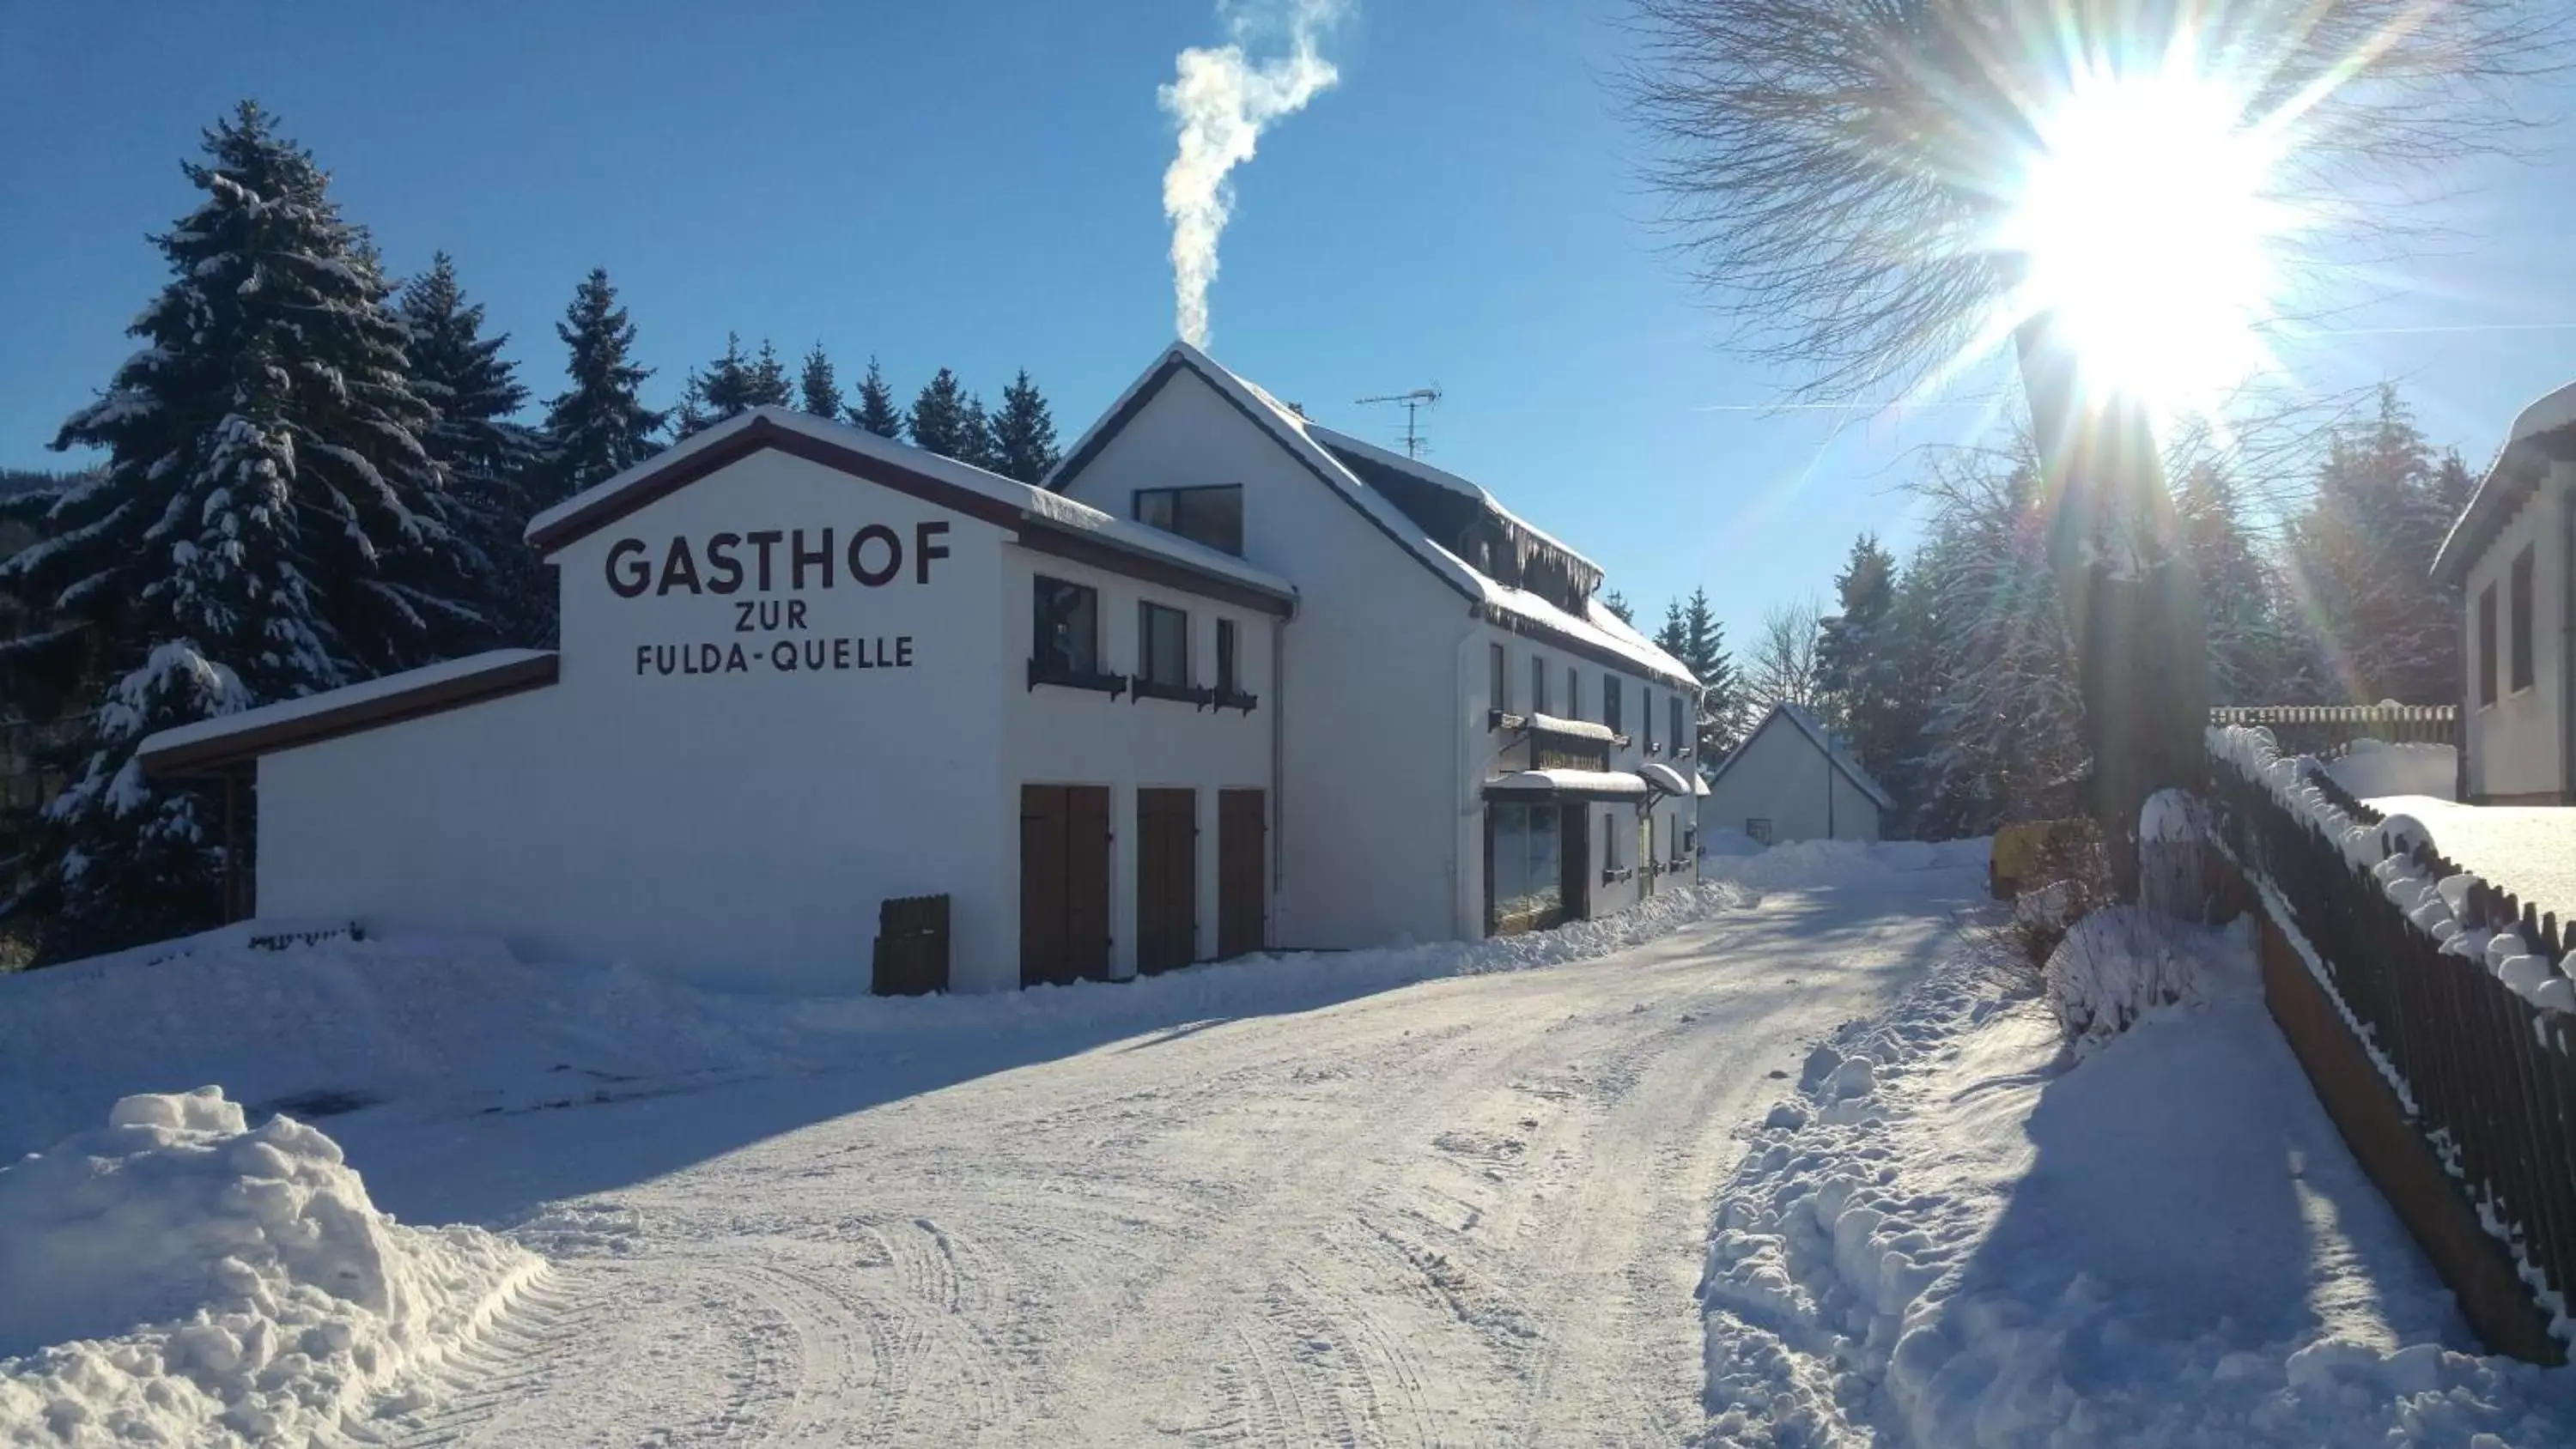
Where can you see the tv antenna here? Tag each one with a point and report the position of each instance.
(1415, 445)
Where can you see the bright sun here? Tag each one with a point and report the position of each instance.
(2144, 227)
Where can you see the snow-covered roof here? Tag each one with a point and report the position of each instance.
(1597, 629)
(232, 739)
(1440, 478)
(1004, 500)
(1569, 782)
(1823, 739)
(2542, 433)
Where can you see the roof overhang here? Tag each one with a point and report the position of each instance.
(1670, 781)
(234, 742)
(1568, 785)
(2517, 476)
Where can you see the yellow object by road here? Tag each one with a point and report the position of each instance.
(2021, 851)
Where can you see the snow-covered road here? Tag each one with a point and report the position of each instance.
(1462, 1212)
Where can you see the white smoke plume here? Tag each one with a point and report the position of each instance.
(1221, 103)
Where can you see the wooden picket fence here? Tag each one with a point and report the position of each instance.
(2324, 729)
(2492, 1077)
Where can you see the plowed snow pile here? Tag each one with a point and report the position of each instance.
(1960, 1232)
(178, 1277)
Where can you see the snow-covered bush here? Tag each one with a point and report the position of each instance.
(2117, 965)
(203, 1282)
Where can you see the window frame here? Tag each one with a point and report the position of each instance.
(1611, 689)
(2486, 629)
(1538, 684)
(1044, 665)
(1136, 510)
(1499, 662)
(1148, 683)
(2520, 663)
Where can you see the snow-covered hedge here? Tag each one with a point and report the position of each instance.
(2120, 965)
(179, 1277)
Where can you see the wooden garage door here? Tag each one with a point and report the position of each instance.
(1242, 871)
(1167, 879)
(1064, 883)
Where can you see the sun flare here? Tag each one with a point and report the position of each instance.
(2143, 227)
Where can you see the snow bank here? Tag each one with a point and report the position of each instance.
(1954, 1234)
(1804, 864)
(206, 1283)
(2374, 768)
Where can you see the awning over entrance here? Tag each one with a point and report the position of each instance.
(1671, 781)
(1568, 785)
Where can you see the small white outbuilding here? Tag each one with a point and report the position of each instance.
(2512, 555)
(1791, 780)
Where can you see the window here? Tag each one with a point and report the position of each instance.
(1646, 711)
(1212, 516)
(1226, 680)
(1067, 627)
(1527, 888)
(2486, 645)
(1162, 646)
(2519, 600)
(1757, 829)
(1681, 736)
(1573, 693)
(1610, 692)
(1501, 684)
(1609, 841)
(1538, 685)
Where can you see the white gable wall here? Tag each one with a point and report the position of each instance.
(2517, 744)
(735, 827)
(1781, 776)
(1060, 736)
(1369, 822)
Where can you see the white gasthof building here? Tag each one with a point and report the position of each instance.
(1231, 682)
(2512, 555)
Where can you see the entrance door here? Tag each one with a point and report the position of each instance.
(1242, 871)
(1574, 861)
(1167, 879)
(1064, 883)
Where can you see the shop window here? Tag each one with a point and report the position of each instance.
(1538, 685)
(1068, 629)
(1610, 692)
(1757, 830)
(1162, 646)
(1527, 888)
(2487, 645)
(2519, 600)
(1212, 515)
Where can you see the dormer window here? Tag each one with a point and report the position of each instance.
(1212, 516)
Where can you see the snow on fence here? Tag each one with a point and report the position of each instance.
(2457, 991)
(2317, 729)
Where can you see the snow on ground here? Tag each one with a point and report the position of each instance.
(2375, 767)
(1958, 1234)
(1408, 1196)
(177, 1277)
(2529, 850)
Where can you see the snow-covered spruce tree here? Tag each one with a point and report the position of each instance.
(1023, 433)
(2362, 556)
(818, 391)
(598, 427)
(488, 457)
(1861, 666)
(875, 410)
(1720, 719)
(268, 524)
(2256, 655)
(1617, 603)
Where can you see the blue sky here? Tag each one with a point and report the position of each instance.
(978, 186)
